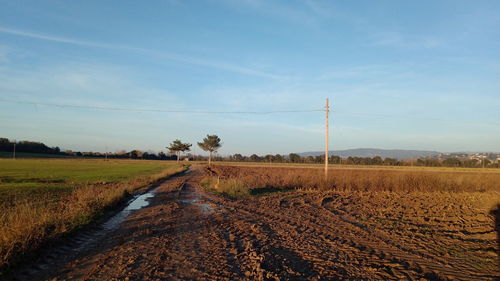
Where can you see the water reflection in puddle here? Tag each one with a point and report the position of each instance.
(135, 204)
(204, 207)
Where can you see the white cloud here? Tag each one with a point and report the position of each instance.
(84, 84)
(54, 38)
(163, 55)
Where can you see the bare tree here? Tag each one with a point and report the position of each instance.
(211, 144)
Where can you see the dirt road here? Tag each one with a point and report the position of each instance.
(187, 234)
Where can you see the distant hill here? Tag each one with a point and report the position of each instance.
(372, 152)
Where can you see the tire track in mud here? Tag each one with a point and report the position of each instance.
(197, 241)
(412, 255)
(402, 264)
(260, 253)
(407, 257)
(306, 256)
(328, 258)
(453, 267)
(327, 255)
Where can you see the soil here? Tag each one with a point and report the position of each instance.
(186, 233)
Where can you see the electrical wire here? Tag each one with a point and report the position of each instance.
(371, 115)
(110, 108)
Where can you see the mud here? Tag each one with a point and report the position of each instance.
(185, 233)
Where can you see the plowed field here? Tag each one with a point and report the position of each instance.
(188, 234)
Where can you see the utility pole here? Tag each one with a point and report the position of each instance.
(14, 154)
(326, 141)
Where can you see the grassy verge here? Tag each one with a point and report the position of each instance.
(232, 188)
(360, 179)
(243, 181)
(43, 199)
(356, 167)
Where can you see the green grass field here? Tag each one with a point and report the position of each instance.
(24, 179)
(41, 199)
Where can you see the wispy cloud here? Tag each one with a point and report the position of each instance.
(54, 38)
(400, 40)
(84, 84)
(211, 63)
(162, 55)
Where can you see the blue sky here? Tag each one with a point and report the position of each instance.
(400, 74)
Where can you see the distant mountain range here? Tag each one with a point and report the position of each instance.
(372, 152)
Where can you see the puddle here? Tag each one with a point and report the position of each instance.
(135, 204)
(205, 208)
(191, 196)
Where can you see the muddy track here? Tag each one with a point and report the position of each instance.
(187, 234)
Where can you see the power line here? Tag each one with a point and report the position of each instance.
(111, 108)
(371, 115)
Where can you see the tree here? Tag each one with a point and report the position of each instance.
(452, 162)
(178, 147)
(319, 158)
(309, 159)
(238, 157)
(391, 161)
(269, 158)
(294, 157)
(255, 158)
(135, 154)
(377, 160)
(211, 144)
(334, 159)
(278, 158)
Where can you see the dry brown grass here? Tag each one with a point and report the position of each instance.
(26, 225)
(362, 179)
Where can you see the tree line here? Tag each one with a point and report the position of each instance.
(377, 160)
(28, 147)
(7, 145)
(212, 143)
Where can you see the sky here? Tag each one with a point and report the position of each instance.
(399, 74)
